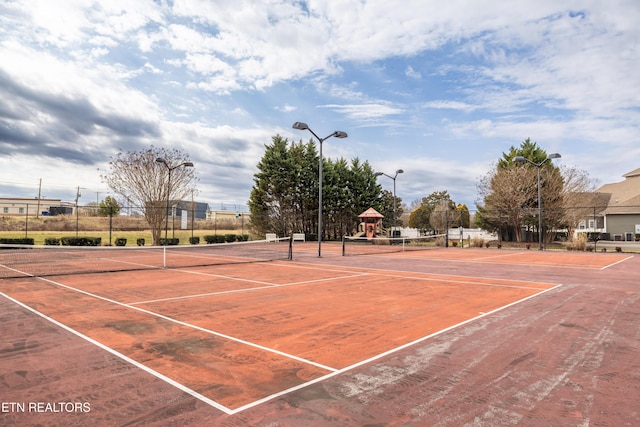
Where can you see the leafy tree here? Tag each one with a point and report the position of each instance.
(420, 217)
(138, 176)
(387, 209)
(441, 218)
(462, 215)
(109, 206)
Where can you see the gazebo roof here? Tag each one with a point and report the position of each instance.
(371, 213)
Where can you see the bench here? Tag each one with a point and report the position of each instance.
(271, 237)
(298, 237)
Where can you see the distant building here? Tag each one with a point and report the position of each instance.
(200, 209)
(30, 207)
(622, 214)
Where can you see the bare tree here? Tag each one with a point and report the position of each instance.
(140, 177)
(507, 191)
(579, 198)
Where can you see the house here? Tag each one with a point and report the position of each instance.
(622, 212)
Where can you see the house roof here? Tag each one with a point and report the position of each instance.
(631, 206)
(632, 173)
(625, 195)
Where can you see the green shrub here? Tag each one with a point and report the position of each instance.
(229, 238)
(195, 240)
(121, 242)
(169, 242)
(214, 238)
(52, 241)
(21, 241)
(81, 241)
(140, 241)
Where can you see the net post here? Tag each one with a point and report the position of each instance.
(290, 256)
(164, 256)
(343, 243)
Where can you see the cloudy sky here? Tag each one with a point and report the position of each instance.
(438, 89)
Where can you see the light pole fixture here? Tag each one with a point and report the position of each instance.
(520, 159)
(170, 169)
(399, 171)
(337, 134)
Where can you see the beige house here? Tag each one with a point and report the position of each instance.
(22, 206)
(622, 213)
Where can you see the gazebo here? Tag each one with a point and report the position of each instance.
(371, 221)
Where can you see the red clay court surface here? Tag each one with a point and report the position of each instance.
(477, 337)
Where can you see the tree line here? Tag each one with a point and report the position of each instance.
(284, 198)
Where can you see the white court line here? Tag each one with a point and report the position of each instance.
(218, 334)
(125, 358)
(617, 262)
(487, 260)
(469, 282)
(387, 272)
(386, 353)
(234, 291)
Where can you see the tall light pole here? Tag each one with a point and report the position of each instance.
(399, 171)
(520, 159)
(337, 134)
(170, 169)
(77, 210)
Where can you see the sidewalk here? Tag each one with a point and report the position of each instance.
(610, 244)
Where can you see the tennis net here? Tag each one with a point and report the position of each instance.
(29, 260)
(378, 245)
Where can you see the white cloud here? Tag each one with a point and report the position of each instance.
(227, 74)
(410, 72)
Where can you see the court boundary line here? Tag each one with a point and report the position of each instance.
(234, 291)
(389, 352)
(447, 279)
(616, 263)
(391, 272)
(482, 260)
(119, 355)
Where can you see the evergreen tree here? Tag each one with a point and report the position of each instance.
(284, 198)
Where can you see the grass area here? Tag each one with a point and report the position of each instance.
(130, 228)
(131, 236)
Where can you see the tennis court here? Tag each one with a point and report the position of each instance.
(241, 337)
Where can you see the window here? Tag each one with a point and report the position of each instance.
(581, 225)
(21, 210)
(5, 210)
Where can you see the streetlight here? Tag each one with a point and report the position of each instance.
(78, 195)
(337, 134)
(170, 169)
(399, 171)
(520, 159)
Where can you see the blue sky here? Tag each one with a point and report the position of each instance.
(437, 89)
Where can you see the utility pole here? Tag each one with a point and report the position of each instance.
(77, 197)
(39, 193)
